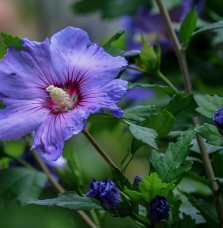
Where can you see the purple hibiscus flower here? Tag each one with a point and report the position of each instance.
(152, 25)
(53, 86)
(106, 193)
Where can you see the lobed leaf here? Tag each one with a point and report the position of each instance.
(144, 134)
(172, 165)
(150, 187)
(10, 40)
(211, 133)
(208, 105)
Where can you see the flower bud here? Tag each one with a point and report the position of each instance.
(106, 193)
(136, 182)
(218, 120)
(159, 209)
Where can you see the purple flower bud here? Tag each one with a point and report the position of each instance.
(218, 120)
(137, 181)
(159, 209)
(106, 193)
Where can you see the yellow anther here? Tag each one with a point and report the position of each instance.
(59, 97)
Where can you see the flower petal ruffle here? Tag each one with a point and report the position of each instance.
(20, 117)
(79, 62)
(26, 74)
(104, 98)
(51, 135)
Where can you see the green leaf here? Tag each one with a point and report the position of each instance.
(218, 164)
(69, 200)
(136, 144)
(2, 106)
(20, 183)
(182, 106)
(108, 8)
(149, 188)
(10, 40)
(180, 103)
(140, 113)
(188, 26)
(164, 89)
(120, 180)
(149, 58)
(212, 26)
(186, 222)
(144, 134)
(206, 209)
(172, 165)
(114, 51)
(161, 123)
(211, 133)
(208, 105)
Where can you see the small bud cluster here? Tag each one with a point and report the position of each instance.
(106, 193)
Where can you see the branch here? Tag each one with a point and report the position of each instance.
(99, 149)
(188, 87)
(55, 184)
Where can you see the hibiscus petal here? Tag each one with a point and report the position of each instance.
(78, 61)
(51, 135)
(104, 98)
(20, 117)
(26, 74)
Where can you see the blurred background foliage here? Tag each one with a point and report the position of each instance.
(37, 19)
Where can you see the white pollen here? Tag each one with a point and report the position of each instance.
(59, 97)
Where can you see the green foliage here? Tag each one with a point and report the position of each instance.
(182, 103)
(114, 51)
(108, 8)
(2, 106)
(208, 105)
(182, 106)
(15, 148)
(188, 26)
(149, 188)
(151, 117)
(20, 183)
(218, 164)
(206, 209)
(10, 40)
(172, 165)
(140, 113)
(120, 180)
(69, 200)
(186, 222)
(209, 27)
(160, 88)
(144, 134)
(149, 58)
(211, 133)
(162, 123)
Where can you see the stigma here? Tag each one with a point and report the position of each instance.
(59, 97)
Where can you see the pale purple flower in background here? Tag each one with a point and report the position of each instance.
(151, 25)
(53, 86)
